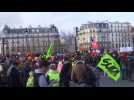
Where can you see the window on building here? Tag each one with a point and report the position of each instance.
(121, 29)
(80, 27)
(99, 30)
(112, 34)
(120, 39)
(116, 29)
(97, 25)
(37, 30)
(117, 39)
(128, 34)
(106, 25)
(119, 45)
(125, 45)
(88, 25)
(128, 44)
(122, 44)
(85, 27)
(119, 34)
(113, 45)
(116, 45)
(112, 39)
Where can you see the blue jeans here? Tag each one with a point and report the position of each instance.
(124, 73)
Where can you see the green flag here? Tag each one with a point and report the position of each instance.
(109, 65)
(50, 51)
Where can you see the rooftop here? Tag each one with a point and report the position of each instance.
(30, 29)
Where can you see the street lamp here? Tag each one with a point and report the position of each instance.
(3, 45)
(7, 47)
(76, 35)
(26, 36)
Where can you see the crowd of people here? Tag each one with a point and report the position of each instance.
(69, 70)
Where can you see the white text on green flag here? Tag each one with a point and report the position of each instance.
(109, 65)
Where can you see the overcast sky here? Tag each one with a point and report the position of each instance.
(65, 21)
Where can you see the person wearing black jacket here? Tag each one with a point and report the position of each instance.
(130, 68)
(13, 76)
(65, 75)
(83, 76)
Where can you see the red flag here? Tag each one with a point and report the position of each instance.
(82, 49)
(93, 54)
(95, 45)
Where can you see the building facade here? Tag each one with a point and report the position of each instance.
(120, 35)
(90, 31)
(109, 35)
(70, 42)
(31, 39)
(132, 36)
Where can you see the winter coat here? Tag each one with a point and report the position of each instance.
(13, 77)
(65, 75)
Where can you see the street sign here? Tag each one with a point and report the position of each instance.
(110, 66)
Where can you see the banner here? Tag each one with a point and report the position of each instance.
(110, 66)
(126, 49)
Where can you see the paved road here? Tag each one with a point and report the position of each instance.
(107, 82)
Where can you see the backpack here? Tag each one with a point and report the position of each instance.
(33, 80)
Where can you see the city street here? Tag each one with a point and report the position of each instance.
(107, 82)
(67, 49)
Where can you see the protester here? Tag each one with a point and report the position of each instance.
(130, 69)
(82, 76)
(40, 76)
(65, 74)
(54, 75)
(68, 70)
(3, 79)
(26, 70)
(13, 76)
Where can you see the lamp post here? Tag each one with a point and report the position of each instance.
(26, 36)
(7, 47)
(3, 45)
(76, 35)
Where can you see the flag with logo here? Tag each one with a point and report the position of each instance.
(110, 66)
